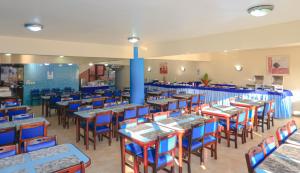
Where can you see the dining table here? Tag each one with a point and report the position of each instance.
(18, 123)
(223, 112)
(253, 105)
(294, 138)
(161, 103)
(285, 159)
(181, 124)
(144, 135)
(183, 96)
(87, 116)
(45, 160)
(154, 93)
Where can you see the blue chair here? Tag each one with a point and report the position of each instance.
(35, 95)
(72, 107)
(98, 103)
(4, 119)
(282, 134)
(292, 127)
(110, 100)
(31, 131)
(211, 136)
(45, 91)
(40, 143)
(237, 127)
(268, 145)
(75, 96)
(193, 143)
(143, 113)
(22, 117)
(183, 105)
(262, 117)
(16, 111)
(117, 94)
(130, 113)
(7, 151)
(172, 106)
(254, 157)
(52, 103)
(108, 93)
(201, 99)
(7, 136)
(57, 91)
(175, 113)
(194, 103)
(163, 154)
(102, 125)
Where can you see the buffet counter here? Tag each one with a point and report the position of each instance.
(92, 89)
(222, 95)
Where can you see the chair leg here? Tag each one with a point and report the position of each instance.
(95, 135)
(110, 136)
(235, 138)
(272, 121)
(215, 148)
(251, 132)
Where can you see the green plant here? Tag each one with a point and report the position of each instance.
(205, 80)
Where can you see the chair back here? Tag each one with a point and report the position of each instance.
(128, 123)
(282, 134)
(40, 143)
(172, 105)
(182, 104)
(74, 105)
(32, 130)
(75, 96)
(110, 100)
(103, 118)
(4, 119)
(45, 91)
(160, 116)
(16, 111)
(67, 89)
(254, 157)
(54, 99)
(292, 127)
(22, 117)
(7, 136)
(130, 113)
(195, 99)
(211, 127)
(79, 168)
(202, 99)
(108, 94)
(165, 145)
(268, 145)
(7, 151)
(175, 113)
(143, 111)
(197, 132)
(98, 103)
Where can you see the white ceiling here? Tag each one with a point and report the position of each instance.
(111, 21)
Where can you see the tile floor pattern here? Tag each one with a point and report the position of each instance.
(106, 159)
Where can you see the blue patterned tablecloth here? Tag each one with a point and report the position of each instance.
(283, 107)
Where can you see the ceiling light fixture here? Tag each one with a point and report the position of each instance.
(34, 27)
(105, 65)
(46, 64)
(70, 64)
(260, 10)
(8, 54)
(91, 64)
(133, 39)
(61, 56)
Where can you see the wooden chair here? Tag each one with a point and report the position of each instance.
(271, 113)
(143, 113)
(72, 107)
(254, 157)
(263, 117)
(8, 150)
(16, 111)
(102, 125)
(183, 105)
(268, 145)
(40, 143)
(7, 136)
(210, 140)
(78, 168)
(172, 105)
(282, 134)
(194, 103)
(292, 127)
(130, 113)
(98, 103)
(31, 131)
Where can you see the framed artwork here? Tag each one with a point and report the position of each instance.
(278, 64)
(163, 69)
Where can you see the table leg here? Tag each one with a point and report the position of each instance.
(43, 102)
(77, 129)
(47, 109)
(122, 143)
(228, 131)
(145, 159)
(255, 119)
(87, 134)
(180, 151)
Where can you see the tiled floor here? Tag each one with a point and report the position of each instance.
(107, 158)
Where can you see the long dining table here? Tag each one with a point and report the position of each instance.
(45, 160)
(223, 112)
(284, 159)
(144, 135)
(87, 116)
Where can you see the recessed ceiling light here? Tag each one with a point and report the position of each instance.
(133, 39)
(91, 64)
(260, 10)
(8, 54)
(70, 64)
(105, 65)
(46, 64)
(61, 56)
(34, 27)
(60, 65)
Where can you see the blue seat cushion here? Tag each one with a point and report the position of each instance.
(155, 110)
(99, 129)
(209, 139)
(195, 144)
(162, 160)
(39, 146)
(134, 148)
(7, 154)
(232, 125)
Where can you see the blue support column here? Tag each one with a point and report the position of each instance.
(137, 94)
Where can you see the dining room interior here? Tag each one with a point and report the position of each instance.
(149, 86)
